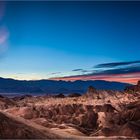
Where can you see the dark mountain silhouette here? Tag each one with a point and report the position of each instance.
(55, 87)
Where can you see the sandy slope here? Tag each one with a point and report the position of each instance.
(17, 127)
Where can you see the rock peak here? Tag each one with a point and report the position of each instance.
(138, 83)
(91, 89)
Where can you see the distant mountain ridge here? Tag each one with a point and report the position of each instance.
(54, 87)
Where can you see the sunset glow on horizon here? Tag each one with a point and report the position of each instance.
(115, 78)
(84, 40)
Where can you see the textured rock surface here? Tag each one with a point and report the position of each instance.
(98, 113)
(6, 103)
(133, 89)
(74, 95)
(15, 128)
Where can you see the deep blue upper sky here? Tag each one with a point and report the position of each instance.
(48, 37)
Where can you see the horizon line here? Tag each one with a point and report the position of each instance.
(49, 79)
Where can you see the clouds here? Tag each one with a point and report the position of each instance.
(113, 68)
(118, 71)
(54, 73)
(81, 70)
(77, 70)
(118, 68)
(4, 33)
(124, 70)
(116, 64)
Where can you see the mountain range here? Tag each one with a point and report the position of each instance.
(55, 87)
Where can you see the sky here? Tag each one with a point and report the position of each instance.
(70, 40)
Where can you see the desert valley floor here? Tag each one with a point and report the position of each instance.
(96, 114)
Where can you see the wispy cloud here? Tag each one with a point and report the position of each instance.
(124, 70)
(4, 33)
(119, 71)
(77, 70)
(116, 64)
(82, 70)
(54, 73)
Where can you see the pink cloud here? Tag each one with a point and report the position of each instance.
(4, 35)
(128, 78)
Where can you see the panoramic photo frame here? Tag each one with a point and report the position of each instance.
(69, 69)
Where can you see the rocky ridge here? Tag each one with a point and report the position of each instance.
(98, 113)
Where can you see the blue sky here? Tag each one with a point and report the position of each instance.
(50, 39)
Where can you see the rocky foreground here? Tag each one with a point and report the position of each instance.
(95, 114)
